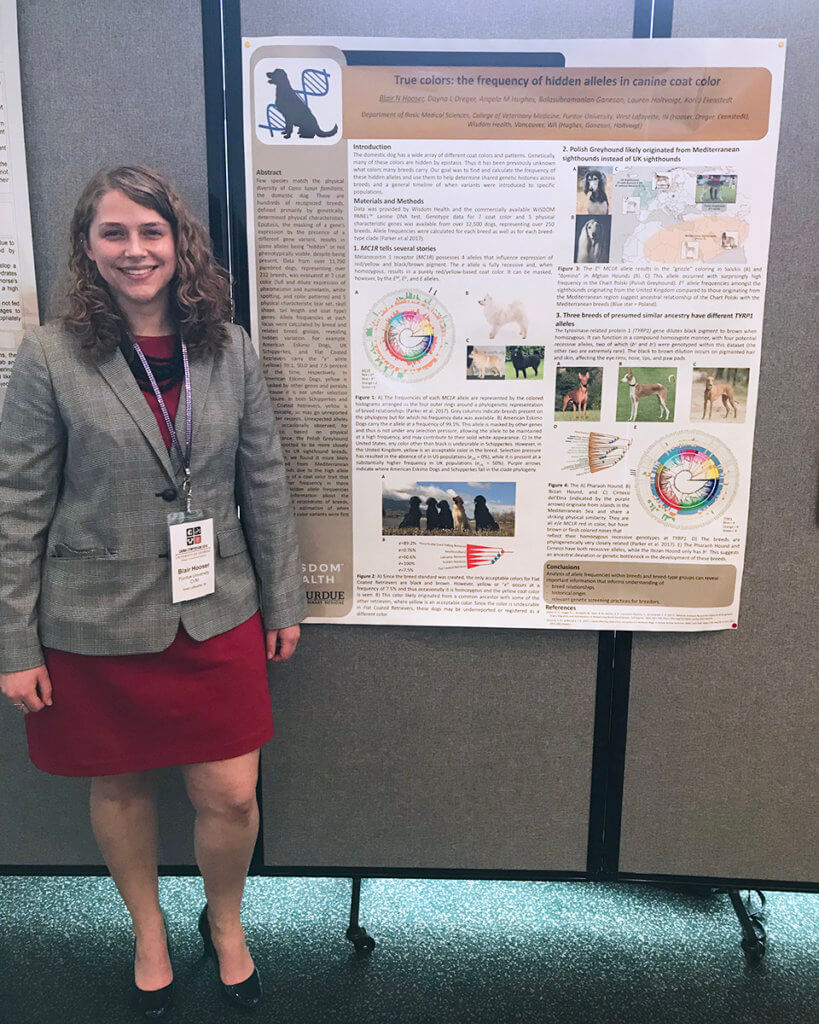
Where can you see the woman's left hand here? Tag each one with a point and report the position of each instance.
(281, 643)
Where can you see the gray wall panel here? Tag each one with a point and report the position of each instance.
(107, 82)
(722, 726)
(45, 818)
(471, 748)
(454, 748)
(104, 82)
(432, 748)
(444, 19)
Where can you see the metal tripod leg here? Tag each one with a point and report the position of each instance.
(364, 943)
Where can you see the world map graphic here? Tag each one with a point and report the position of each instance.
(658, 221)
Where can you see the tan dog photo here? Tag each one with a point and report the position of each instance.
(459, 516)
(646, 383)
(578, 393)
(483, 363)
(718, 388)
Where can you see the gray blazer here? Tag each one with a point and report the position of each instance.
(86, 483)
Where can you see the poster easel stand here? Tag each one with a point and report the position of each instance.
(221, 21)
(652, 19)
(754, 936)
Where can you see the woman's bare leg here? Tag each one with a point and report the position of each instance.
(123, 817)
(227, 822)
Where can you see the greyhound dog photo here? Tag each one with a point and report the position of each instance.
(720, 386)
(294, 110)
(722, 392)
(592, 238)
(594, 187)
(639, 391)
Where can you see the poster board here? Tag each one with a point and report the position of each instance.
(427, 750)
(720, 778)
(18, 289)
(45, 818)
(508, 297)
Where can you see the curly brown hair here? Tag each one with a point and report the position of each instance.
(199, 290)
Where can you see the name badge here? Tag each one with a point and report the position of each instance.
(193, 559)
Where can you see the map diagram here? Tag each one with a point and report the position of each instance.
(687, 480)
(409, 335)
(659, 221)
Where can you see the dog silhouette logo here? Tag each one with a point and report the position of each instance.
(305, 104)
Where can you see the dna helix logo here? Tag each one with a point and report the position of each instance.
(315, 83)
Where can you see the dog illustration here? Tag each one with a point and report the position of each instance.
(433, 520)
(483, 364)
(523, 362)
(590, 243)
(444, 516)
(294, 110)
(484, 520)
(459, 515)
(498, 315)
(594, 185)
(579, 398)
(412, 520)
(639, 391)
(721, 391)
(691, 249)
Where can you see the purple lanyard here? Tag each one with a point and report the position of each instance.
(186, 455)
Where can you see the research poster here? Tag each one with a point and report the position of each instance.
(508, 298)
(18, 291)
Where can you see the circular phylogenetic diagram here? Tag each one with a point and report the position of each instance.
(408, 335)
(687, 480)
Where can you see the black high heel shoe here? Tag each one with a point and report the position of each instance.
(246, 994)
(155, 1004)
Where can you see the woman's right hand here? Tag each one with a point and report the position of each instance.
(29, 690)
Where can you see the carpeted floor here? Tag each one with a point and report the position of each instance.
(465, 952)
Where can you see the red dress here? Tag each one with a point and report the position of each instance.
(195, 701)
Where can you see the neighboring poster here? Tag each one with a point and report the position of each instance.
(18, 290)
(508, 297)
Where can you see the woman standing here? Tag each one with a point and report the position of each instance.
(149, 558)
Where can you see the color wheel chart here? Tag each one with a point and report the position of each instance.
(409, 335)
(687, 480)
